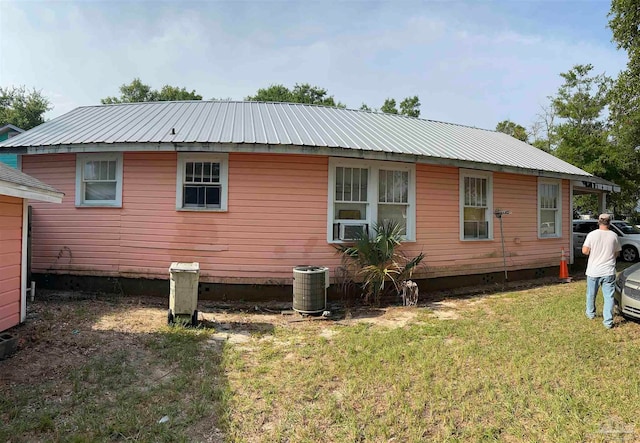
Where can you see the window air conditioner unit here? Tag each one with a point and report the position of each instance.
(352, 231)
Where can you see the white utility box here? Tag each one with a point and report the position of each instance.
(183, 295)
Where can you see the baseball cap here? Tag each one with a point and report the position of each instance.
(604, 218)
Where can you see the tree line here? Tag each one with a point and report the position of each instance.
(26, 108)
(136, 91)
(592, 122)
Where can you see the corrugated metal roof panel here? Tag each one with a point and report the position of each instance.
(286, 124)
(11, 175)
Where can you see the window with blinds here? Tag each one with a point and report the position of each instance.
(99, 179)
(364, 192)
(476, 211)
(549, 208)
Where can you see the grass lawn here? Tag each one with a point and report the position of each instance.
(518, 366)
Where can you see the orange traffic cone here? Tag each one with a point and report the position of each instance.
(564, 269)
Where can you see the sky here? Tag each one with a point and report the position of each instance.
(474, 63)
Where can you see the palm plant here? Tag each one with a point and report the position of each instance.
(375, 260)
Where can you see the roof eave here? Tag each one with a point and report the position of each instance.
(29, 192)
(331, 151)
(13, 150)
(594, 183)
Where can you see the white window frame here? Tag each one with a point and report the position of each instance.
(464, 173)
(222, 159)
(81, 159)
(372, 192)
(558, 220)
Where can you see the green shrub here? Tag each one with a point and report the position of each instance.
(375, 260)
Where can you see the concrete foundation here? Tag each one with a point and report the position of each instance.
(244, 293)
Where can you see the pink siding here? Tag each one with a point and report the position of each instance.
(272, 224)
(438, 225)
(276, 219)
(10, 260)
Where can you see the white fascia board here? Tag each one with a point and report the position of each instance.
(330, 151)
(26, 192)
(100, 148)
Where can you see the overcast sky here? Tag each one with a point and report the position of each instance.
(470, 62)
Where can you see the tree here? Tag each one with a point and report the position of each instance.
(172, 93)
(624, 115)
(274, 93)
(624, 103)
(583, 132)
(301, 93)
(365, 107)
(389, 106)
(624, 23)
(136, 92)
(542, 132)
(22, 108)
(305, 93)
(410, 106)
(513, 129)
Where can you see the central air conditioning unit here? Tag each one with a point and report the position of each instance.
(352, 231)
(310, 285)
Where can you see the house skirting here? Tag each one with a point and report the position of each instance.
(281, 292)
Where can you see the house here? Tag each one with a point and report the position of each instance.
(16, 188)
(250, 190)
(6, 132)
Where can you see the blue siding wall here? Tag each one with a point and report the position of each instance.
(9, 159)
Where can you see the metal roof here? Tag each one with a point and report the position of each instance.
(286, 124)
(20, 180)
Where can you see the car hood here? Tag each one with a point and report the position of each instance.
(632, 273)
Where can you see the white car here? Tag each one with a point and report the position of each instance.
(627, 295)
(628, 235)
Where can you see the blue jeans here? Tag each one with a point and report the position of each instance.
(608, 287)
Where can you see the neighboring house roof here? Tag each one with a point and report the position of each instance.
(8, 128)
(15, 183)
(281, 127)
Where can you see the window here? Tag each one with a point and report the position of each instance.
(476, 212)
(585, 227)
(363, 192)
(549, 208)
(99, 180)
(393, 197)
(202, 182)
(626, 228)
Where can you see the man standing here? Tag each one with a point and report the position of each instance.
(602, 247)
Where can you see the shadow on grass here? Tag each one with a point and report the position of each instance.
(95, 367)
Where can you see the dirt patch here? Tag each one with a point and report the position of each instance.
(71, 341)
(53, 341)
(63, 329)
(451, 309)
(66, 327)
